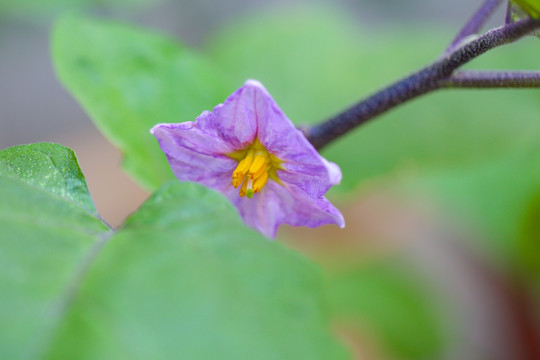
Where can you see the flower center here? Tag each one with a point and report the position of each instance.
(256, 165)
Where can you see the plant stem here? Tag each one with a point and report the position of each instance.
(494, 79)
(426, 80)
(475, 23)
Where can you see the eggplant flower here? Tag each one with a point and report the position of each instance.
(251, 152)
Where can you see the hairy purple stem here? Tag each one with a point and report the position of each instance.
(475, 23)
(494, 79)
(426, 80)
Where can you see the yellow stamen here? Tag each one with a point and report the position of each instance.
(243, 189)
(236, 182)
(260, 182)
(241, 170)
(258, 174)
(259, 164)
(255, 167)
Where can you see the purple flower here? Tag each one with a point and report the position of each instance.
(251, 152)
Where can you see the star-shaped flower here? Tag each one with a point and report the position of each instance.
(251, 152)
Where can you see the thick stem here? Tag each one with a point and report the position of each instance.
(493, 79)
(426, 80)
(475, 23)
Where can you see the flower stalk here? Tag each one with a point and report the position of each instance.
(494, 79)
(440, 74)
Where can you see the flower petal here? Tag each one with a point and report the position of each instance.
(303, 166)
(315, 179)
(194, 155)
(333, 171)
(278, 204)
(234, 121)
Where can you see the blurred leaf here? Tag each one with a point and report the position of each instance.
(128, 80)
(184, 278)
(48, 225)
(391, 305)
(307, 57)
(496, 197)
(316, 63)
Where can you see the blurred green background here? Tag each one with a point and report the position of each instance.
(441, 255)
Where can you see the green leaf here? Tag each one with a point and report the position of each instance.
(390, 303)
(50, 168)
(184, 278)
(128, 80)
(48, 224)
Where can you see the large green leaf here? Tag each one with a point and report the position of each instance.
(128, 80)
(184, 278)
(48, 226)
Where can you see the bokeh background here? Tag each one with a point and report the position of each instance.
(440, 257)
